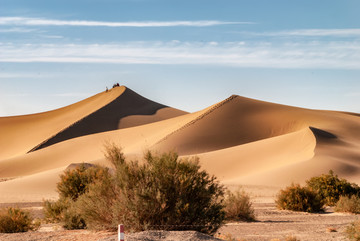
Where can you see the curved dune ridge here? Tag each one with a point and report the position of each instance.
(239, 140)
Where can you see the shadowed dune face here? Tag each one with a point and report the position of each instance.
(113, 116)
(237, 121)
(19, 134)
(239, 140)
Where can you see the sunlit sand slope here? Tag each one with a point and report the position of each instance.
(127, 110)
(19, 134)
(239, 140)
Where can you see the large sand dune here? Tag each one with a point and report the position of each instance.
(240, 140)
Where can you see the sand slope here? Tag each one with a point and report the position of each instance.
(240, 140)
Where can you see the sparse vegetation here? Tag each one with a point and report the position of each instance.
(348, 204)
(297, 198)
(54, 210)
(15, 220)
(353, 231)
(238, 206)
(163, 192)
(73, 183)
(322, 190)
(330, 187)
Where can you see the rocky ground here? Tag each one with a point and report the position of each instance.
(271, 224)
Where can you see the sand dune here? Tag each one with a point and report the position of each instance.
(240, 140)
(19, 134)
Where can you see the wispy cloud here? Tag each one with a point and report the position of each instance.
(17, 30)
(339, 55)
(347, 32)
(5, 75)
(52, 22)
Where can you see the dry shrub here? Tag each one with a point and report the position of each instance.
(14, 220)
(163, 192)
(54, 210)
(353, 231)
(297, 198)
(238, 206)
(348, 204)
(73, 184)
(330, 187)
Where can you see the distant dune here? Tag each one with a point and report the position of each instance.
(240, 140)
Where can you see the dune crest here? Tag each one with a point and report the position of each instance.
(110, 116)
(239, 140)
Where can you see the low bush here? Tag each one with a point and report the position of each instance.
(348, 204)
(353, 231)
(54, 210)
(330, 187)
(72, 218)
(164, 192)
(75, 182)
(238, 206)
(14, 220)
(297, 198)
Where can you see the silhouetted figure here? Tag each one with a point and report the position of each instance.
(107, 89)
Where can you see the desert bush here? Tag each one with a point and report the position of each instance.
(163, 192)
(72, 218)
(14, 220)
(299, 198)
(238, 206)
(74, 183)
(54, 210)
(330, 187)
(353, 231)
(348, 204)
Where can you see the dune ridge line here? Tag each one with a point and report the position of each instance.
(37, 147)
(206, 113)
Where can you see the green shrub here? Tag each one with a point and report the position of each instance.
(75, 182)
(330, 187)
(161, 193)
(348, 204)
(54, 210)
(238, 206)
(14, 220)
(72, 218)
(298, 198)
(353, 231)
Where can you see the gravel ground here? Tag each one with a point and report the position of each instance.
(271, 224)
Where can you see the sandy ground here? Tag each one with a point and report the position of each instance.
(270, 224)
(241, 141)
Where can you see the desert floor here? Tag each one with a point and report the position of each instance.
(271, 224)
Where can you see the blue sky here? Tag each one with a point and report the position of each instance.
(186, 54)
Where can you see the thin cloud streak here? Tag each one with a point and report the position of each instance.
(325, 55)
(17, 30)
(346, 32)
(83, 23)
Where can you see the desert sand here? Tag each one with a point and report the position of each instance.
(239, 140)
(243, 142)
